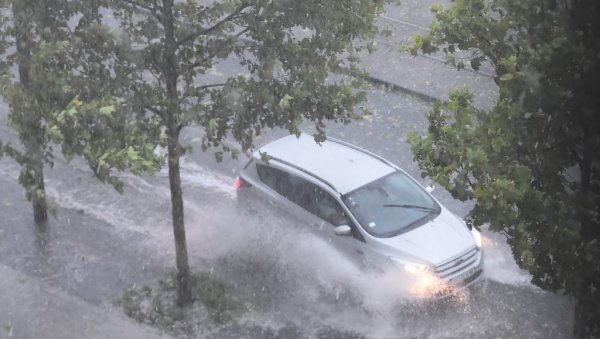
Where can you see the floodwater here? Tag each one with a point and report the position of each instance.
(298, 284)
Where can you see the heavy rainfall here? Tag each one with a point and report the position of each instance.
(108, 261)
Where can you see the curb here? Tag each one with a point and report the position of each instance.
(390, 86)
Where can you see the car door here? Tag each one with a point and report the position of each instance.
(313, 206)
(324, 213)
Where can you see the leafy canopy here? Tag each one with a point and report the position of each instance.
(165, 59)
(157, 70)
(531, 163)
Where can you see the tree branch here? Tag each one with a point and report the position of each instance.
(212, 55)
(241, 32)
(209, 86)
(137, 4)
(214, 27)
(154, 110)
(154, 10)
(14, 154)
(194, 65)
(552, 147)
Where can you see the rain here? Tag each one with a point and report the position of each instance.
(103, 265)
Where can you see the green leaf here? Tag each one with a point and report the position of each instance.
(264, 157)
(284, 103)
(506, 77)
(436, 8)
(107, 110)
(132, 154)
(371, 47)
(212, 126)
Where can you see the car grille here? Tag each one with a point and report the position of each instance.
(471, 278)
(457, 264)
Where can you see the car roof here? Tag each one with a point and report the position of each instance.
(342, 165)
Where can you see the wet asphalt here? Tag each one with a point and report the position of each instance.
(100, 243)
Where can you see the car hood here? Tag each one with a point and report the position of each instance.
(435, 242)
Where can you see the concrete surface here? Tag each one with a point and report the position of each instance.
(32, 309)
(426, 76)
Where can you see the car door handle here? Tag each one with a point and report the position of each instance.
(273, 203)
(360, 252)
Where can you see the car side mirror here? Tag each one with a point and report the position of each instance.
(429, 188)
(342, 230)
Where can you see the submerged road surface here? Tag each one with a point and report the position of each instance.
(298, 286)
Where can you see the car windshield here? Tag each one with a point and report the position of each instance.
(391, 205)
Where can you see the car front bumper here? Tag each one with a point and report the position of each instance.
(432, 286)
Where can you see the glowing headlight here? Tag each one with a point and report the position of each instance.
(411, 267)
(476, 236)
(416, 268)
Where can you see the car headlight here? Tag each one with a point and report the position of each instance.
(412, 267)
(415, 268)
(477, 236)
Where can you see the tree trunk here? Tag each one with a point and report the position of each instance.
(170, 70)
(38, 199)
(184, 286)
(586, 311)
(582, 318)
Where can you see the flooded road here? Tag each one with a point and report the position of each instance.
(297, 285)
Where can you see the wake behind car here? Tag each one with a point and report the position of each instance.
(367, 207)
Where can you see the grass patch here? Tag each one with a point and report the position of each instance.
(216, 297)
(214, 304)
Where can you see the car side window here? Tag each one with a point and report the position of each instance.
(306, 195)
(317, 201)
(276, 179)
(327, 208)
(302, 193)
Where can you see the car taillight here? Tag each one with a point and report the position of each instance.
(239, 183)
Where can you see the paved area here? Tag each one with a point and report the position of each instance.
(427, 76)
(32, 309)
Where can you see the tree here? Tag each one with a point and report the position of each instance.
(38, 32)
(55, 50)
(531, 163)
(159, 62)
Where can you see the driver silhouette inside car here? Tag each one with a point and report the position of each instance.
(328, 209)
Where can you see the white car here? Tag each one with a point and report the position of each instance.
(366, 206)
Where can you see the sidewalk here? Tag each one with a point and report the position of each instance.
(32, 309)
(425, 76)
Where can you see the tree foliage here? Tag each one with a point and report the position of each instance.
(31, 36)
(532, 162)
(53, 47)
(157, 70)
